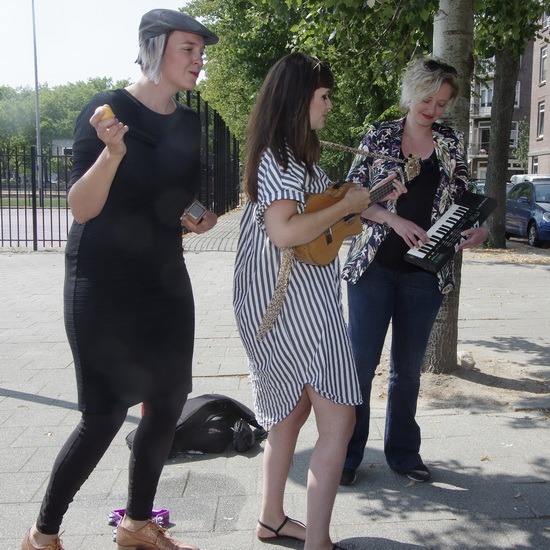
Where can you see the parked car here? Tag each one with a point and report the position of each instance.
(528, 209)
(475, 186)
(478, 186)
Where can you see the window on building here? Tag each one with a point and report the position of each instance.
(488, 65)
(484, 132)
(482, 170)
(486, 96)
(516, 97)
(545, 20)
(514, 134)
(543, 64)
(540, 120)
(535, 165)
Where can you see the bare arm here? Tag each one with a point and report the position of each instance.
(285, 227)
(88, 195)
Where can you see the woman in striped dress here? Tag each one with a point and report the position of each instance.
(304, 361)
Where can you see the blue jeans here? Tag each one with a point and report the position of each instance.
(411, 301)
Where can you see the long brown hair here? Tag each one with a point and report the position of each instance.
(280, 118)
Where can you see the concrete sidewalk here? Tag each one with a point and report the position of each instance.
(491, 465)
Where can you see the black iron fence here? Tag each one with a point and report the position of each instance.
(34, 213)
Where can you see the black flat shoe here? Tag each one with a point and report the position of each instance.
(419, 473)
(278, 537)
(348, 476)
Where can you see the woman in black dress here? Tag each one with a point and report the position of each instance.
(129, 309)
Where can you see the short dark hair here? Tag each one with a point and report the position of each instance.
(280, 118)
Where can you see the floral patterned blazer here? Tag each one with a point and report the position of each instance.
(385, 138)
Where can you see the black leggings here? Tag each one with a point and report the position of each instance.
(88, 443)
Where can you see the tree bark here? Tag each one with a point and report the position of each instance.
(441, 351)
(504, 86)
(453, 42)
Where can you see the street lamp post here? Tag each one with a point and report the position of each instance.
(37, 109)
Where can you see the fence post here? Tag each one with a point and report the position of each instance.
(33, 200)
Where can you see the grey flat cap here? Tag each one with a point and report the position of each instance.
(156, 22)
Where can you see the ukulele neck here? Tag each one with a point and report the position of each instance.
(379, 193)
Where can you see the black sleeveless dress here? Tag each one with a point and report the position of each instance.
(129, 310)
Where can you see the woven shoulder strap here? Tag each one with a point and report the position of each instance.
(274, 307)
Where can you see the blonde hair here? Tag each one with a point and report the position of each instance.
(423, 78)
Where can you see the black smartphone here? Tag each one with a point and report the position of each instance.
(196, 211)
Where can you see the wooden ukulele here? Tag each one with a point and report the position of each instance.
(323, 249)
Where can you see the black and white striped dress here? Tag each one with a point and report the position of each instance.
(308, 343)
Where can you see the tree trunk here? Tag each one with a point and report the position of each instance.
(504, 86)
(453, 42)
(441, 351)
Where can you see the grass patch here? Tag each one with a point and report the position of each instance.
(20, 202)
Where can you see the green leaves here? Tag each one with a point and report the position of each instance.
(506, 25)
(59, 108)
(366, 43)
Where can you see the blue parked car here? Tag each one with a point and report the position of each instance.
(528, 209)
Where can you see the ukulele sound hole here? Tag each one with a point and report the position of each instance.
(328, 235)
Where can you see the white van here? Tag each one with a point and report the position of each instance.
(518, 178)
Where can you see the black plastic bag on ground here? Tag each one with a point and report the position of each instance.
(209, 423)
(244, 437)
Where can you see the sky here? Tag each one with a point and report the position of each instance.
(75, 39)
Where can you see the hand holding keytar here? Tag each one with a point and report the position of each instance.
(468, 211)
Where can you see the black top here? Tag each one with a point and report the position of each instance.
(152, 187)
(415, 205)
(128, 301)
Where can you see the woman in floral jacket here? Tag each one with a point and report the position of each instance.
(382, 287)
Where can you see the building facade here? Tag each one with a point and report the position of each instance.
(539, 135)
(480, 118)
